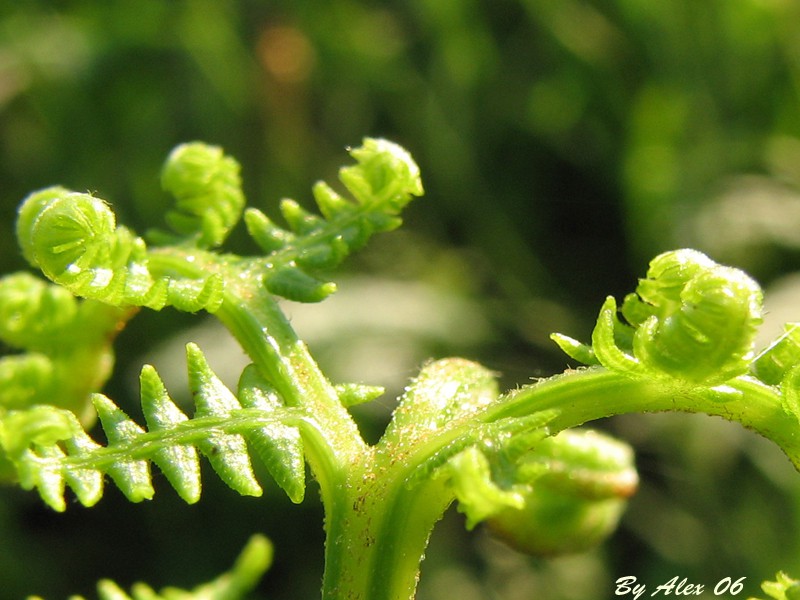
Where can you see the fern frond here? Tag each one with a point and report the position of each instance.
(23, 377)
(382, 182)
(51, 452)
(179, 463)
(73, 238)
(226, 452)
(208, 192)
(32, 312)
(250, 566)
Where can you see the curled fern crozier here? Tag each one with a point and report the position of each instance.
(695, 319)
(690, 319)
(73, 238)
(208, 192)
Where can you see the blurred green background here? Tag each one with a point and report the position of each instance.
(563, 143)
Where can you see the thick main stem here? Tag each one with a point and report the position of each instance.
(268, 338)
(384, 527)
(376, 541)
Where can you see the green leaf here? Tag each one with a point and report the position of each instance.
(131, 476)
(40, 425)
(73, 238)
(604, 341)
(179, 463)
(49, 449)
(777, 359)
(478, 495)
(226, 452)
(353, 394)
(574, 349)
(279, 446)
(264, 232)
(382, 183)
(292, 283)
(86, 482)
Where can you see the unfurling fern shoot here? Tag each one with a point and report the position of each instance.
(693, 318)
(207, 190)
(73, 238)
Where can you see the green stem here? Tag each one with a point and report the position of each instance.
(333, 445)
(595, 393)
(268, 338)
(378, 527)
(377, 540)
(384, 526)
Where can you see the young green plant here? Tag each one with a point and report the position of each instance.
(683, 341)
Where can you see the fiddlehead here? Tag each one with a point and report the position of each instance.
(382, 182)
(689, 319)
(208, 193)
(73, 238)
(573, 488)
(545, 495)
(694, 318)
(50, 450)
(33, 312)
(64, 352)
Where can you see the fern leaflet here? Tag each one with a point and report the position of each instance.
(50, 450)
(382, 182)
